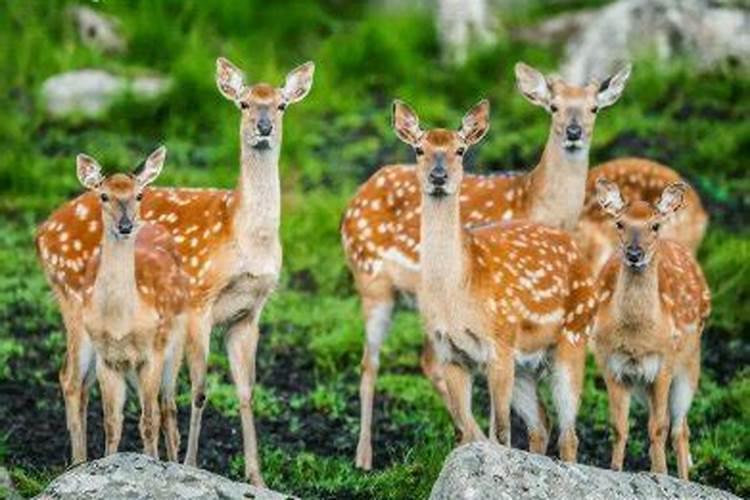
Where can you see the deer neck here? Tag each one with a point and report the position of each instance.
(115, 290)
(259, 189)
(558, 185)
(636, 296)
(442, 254)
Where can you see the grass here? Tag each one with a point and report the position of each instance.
(306, 402)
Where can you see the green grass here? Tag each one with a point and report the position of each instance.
(332, 141)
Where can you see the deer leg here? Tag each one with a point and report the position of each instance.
(432, 368)
(527, 404)
(242, 341)
(658, 397)
(619, 408)
(112, 387)
(149, 380)
(167, 404)
(198, 337)
(75, 376)
(377, 306)
(680, 397)
(567, 383)
(458, 382)
(500, 377)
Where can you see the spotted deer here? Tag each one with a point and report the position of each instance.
(134, 307)
(228, 243)
(380, 229)
(508, 298)
(638, 179)
(654, 303)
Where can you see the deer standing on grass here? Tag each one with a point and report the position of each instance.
(134, 303)
(228, 242)
(380, 229)
(507, 298)
(654, 303)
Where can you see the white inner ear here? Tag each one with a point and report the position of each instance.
(669, 201)
(610, 199)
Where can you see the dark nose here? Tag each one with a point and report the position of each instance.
(573, 132)
(439, 176)
(125, 225)
(634, 254)
(265, 126)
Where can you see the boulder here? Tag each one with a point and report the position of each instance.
(131, 475)
(90, 92)
(488, 471)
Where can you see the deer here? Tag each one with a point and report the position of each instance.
(380, 227)
(638, 179)
(229, 245)
(506, 298)
(653, 305)
(134, 306)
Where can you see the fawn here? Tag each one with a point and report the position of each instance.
(228, 242)
(508, 297)
(134, 303)
(653, 306)
(380, 229)
(638, 179)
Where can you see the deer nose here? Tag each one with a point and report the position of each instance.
(439, 175)
(125, 225)
(634, 254)
(573, 132)
(265, 126)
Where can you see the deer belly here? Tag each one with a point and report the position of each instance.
(634, 370)
(121, 349)
(464, 347)
(243, 296)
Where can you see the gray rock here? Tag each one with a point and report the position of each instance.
(135, 476)
(480, 471)
(96, 30)
(90, 92)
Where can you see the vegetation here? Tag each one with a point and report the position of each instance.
(307, 394)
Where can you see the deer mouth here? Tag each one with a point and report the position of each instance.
(262, 144)
(573, 146)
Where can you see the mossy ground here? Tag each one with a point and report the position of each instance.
(306, 400)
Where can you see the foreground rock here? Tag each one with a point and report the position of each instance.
(488, 471)
(131, 475)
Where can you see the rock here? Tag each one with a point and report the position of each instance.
(90, 92)
(488, 471)
(7, 490)
(131, 475)
(98, 31)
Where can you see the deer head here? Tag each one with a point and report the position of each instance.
(440, 151)
(120, 194)
(573, 107)
(638, 224)
(262, 105)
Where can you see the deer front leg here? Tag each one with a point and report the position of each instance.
(242, 341)
(500, 376)
(528, 405)
(658, 402)
(458, 382)
(567, 383)
(168, 407)
(198, 337)
(149, 380)
(112, 387)
(619, 408)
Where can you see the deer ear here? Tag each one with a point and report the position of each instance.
(671, 198)
(609, 197)
(298, 82)
(406, 123)
(533, 85)
(611, 88)
(229, 79)
(152, 167)
(89, 171)
(476, 122)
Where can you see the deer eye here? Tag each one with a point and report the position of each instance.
(419, 151)
(619, 225)
(244, 105)
(655, 227)
(460, 151)
(139, 196)
(104, 197)
(595, 109)
(282, 106)
(553, 108)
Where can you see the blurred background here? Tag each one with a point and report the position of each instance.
(114, 79)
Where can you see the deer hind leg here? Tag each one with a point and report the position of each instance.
(680, 397)
(149, 380)
(619, 408)
(527, 404)
(377, 306)
(567, 383)
(198, 338)
(432, 368)
(167, 404)
(658, 400)
(75, 378)
(242, 341)
(458, 382)
(112, 386)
